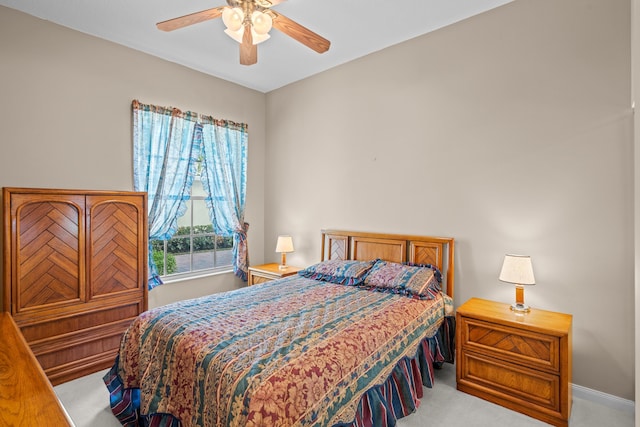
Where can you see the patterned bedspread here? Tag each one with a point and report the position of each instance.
(291, 352)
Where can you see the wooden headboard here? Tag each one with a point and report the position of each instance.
(358, 245)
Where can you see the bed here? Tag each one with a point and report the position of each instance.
(348, 341)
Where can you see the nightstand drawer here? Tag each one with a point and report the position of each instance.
(527, 348)
(514, 383)
(256, 280)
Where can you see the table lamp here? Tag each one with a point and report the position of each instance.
(517, 269)
(284, 246)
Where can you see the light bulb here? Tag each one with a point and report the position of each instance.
(233, 18)
(261, 22)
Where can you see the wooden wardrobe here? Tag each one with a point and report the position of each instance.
(75, 273)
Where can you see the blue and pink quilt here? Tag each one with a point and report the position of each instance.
(292, 352)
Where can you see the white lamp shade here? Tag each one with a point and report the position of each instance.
(236, 35)
(261, 22)
(233, 18)
(285, 244)
(517, 269)
(258, 38)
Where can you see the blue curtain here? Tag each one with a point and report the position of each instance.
(166, 146)
(224, 177)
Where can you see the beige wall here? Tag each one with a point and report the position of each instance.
(65, 115)
(510, 131)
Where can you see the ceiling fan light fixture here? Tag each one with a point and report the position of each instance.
(236, 35)
(258, 38)
(233, 17)
(261, 22)
(248, 22)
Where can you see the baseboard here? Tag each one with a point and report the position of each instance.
(603, 398)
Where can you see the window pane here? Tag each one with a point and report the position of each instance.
(157, 247)
(184, 223)
(180, 249)
(203, 259)
(224, 257)
(197, 190)
(203, 243)
(224, 243)
(179, 245)
(201, 221)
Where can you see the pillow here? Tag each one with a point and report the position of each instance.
(435, 269)
(345, 272)
(414, 280)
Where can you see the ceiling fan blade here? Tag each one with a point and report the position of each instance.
(300, 33)
(248, 50)
(193, 18)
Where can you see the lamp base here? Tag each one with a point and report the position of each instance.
(283, 261)
(520, 308)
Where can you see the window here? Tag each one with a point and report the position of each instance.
(170, 148)
(194, 248)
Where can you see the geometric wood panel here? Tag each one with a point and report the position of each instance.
(114, 248)
(523, 347)
(48, 246)
(426, 253)
(338, 248)
(510, 342)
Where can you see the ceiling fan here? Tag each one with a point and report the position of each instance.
(248, 22)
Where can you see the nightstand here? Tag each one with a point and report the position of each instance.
(519, 361)
(267, 272)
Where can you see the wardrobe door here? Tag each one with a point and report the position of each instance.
(115, 245)
(47, 254)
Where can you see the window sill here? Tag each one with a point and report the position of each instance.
(197, 275)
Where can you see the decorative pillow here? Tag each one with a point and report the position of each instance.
(413, 280)
(435, 269)
(339, 271)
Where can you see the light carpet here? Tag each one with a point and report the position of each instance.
(87, 402)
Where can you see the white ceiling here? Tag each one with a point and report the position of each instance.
(354, 27)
